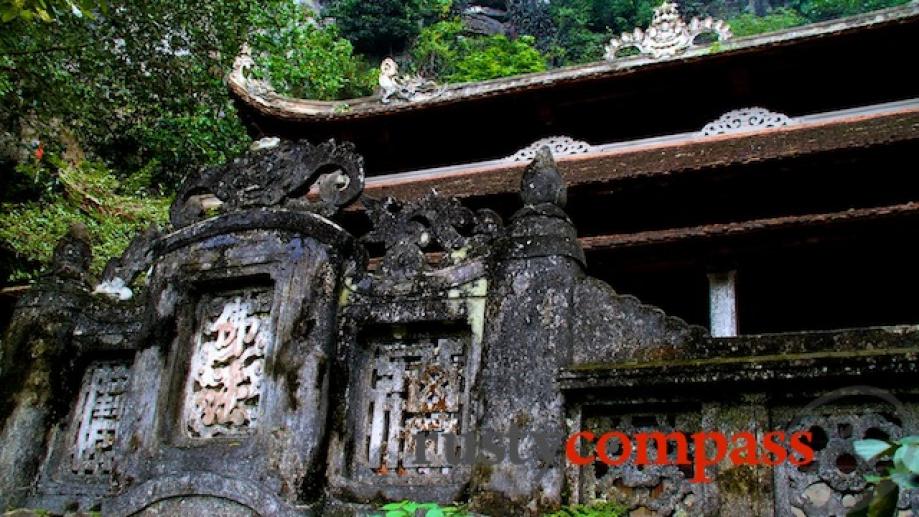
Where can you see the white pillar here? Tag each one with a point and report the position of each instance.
(722, 294)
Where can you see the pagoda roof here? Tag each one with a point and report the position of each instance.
(795, 72)
(254, 95)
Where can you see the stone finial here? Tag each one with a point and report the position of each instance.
(542, 183)
(73, 253)
(668, 35)
(408, 88)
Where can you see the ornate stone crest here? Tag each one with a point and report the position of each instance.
(298, 176)
(432, 223)
(558, 145)
(745, 119)
(408, 88)
(668, 35)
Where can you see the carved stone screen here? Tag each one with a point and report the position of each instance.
(416, 383)
(835, 481)
(98, 413)
(227, 364)
(661, 489)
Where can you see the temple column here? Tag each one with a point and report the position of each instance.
(722, 293)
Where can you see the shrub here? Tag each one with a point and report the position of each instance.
(412, 508)
(384, 27)
(778, 19)
(64, 194)
(304, 59)
(584, 26)
(820, 10)
(442, 50)
(496, 56)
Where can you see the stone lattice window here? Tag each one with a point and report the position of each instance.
(97, 416)
(227, 364)
(835, 481)
(416, 384)
(653, 489)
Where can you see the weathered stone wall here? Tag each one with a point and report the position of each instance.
(253, 361)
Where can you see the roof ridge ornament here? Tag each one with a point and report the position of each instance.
(558, 145)
(668, 35)
(409, 88)
(746, 119)
(243, 66)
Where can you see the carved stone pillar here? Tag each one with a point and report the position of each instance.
(228, 399)
(35, 365)
(527, 339)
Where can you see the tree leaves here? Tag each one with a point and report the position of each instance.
(442, 50)
(306, 60)
(870, 449)
(904, 474)
(44, 10)
(412, 508)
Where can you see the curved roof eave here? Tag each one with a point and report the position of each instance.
(255, 95)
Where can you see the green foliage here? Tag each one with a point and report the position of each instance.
(384, 27)
(145, 81)
(436, 49)
(65, 194)
(903, 475)
(576, 43)
(44, 10)
(306, 60)
(496, 56)
(125, 83)
(596, 509)
(442, 50)
(6, 83)
(140, 88)
(749, 24)
(411, 508)
(584, 26)
(819, 10)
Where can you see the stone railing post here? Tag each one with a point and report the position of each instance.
(528, 338)
(35, 364)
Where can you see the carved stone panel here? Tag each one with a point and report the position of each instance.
(835, 481)
(227, 365)
(662, 489)
(416, 384)
(98, 414)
